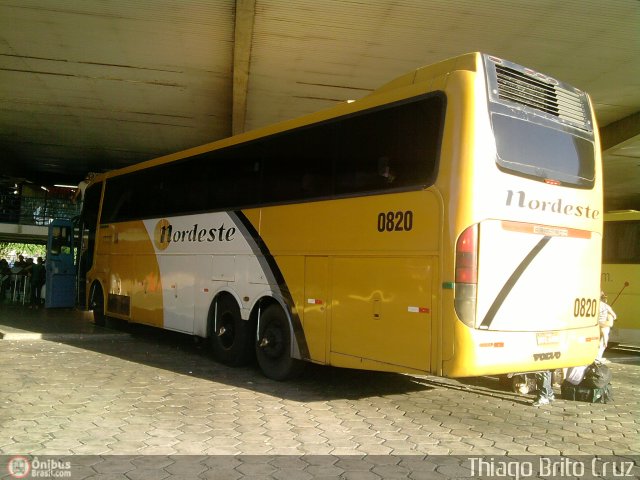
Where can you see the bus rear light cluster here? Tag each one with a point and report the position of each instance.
(467, 275)
(467, 256)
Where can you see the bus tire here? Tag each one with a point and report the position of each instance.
(230, 336)
(97, 305)
(273, 348)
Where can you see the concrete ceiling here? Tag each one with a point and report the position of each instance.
(89, 85)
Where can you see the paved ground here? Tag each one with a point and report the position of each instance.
(79, 393)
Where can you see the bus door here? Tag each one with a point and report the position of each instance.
(60, 265)
(87, 233)
(315, 307)
(84, 261)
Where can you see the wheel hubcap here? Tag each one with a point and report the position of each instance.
(226, 332)
(272, 342)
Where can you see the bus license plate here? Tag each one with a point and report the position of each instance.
(547, 338)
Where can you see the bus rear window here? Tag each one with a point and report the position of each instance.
(538, 152)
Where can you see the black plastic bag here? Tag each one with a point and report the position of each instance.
(597, 375)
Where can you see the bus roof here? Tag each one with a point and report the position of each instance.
(468, 61)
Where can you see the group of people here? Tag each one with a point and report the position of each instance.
(544, 387)
(28, 271)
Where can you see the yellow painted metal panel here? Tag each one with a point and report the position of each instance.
(381, 309)
(316, 291)
(292, 268)
(147, 302)
(351, 225)
(621, 283)
(128, 266)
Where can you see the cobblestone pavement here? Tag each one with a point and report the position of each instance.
(154, 396)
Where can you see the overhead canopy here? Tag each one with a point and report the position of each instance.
(89, 85)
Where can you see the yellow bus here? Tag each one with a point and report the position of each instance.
(448, 223)
(621, 274)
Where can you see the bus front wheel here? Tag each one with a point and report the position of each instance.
(97, 305)
(273, 349)
(229, 336)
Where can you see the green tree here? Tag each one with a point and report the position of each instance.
(10, 250)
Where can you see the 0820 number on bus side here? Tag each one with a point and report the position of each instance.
(395, 221)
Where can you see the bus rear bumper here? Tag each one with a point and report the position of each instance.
(485, 352)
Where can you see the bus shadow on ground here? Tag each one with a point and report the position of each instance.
(482, 386)
(186, 355)
(183, 354)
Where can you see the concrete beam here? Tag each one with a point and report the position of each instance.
(243, 36)
(12, 232)
(617, 132)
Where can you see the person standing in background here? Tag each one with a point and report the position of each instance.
(605, 321)
(5, 278)
(20, 263)
(38, 275)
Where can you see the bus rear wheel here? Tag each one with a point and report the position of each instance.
(229, 338)
(273, 349)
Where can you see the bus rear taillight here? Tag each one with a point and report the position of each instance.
(467, 275)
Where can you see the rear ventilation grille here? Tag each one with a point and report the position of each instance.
(518, 87)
